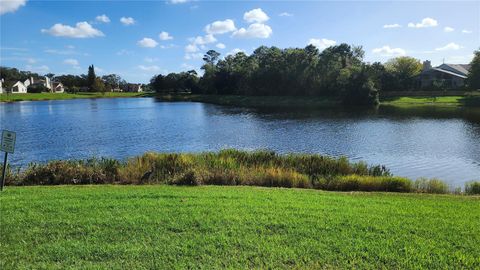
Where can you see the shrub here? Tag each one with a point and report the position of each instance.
(367, 183)
(64, 173)
(274, 177)
(228, 167)
(137, 170)
(472, 187)
(424, 185)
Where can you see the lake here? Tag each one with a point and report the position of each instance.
(428, 142)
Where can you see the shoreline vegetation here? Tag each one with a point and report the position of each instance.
(471, 100)
(217, 227)
(63, 96)
(468, 100)
(231, 168)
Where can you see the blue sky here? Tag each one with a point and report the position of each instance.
(124, 37)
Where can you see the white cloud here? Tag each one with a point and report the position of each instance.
(147, 43)
(61, 52)
(81, 30)
(167, 46)
(465, 31)
(255, 16)
(178, 1)
(31, 60)
(150, 60)
(37, 69)
(389, 52)
(220, 27)
(448, 29)
(127, 20)
(285, 14)
(426, 22)
(11, 5)
(72, 62)
(124, 52)
(235, 51)
(449, 46)
(187, 66)
(164, 36)
(395, 25)
(190, 48)
(255, 30)
(220, 46)
(102, 18)
(149, 68)
(202, 40)
(190, 56)
(322, 44)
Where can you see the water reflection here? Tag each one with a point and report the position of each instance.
(413, 142)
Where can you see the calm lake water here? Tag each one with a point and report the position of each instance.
(443, 143)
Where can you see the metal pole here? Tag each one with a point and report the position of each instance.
(4, 171)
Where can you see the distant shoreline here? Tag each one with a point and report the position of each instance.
(470, 100)
(322, 102)
(62, 96)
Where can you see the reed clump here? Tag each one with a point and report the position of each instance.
(228, 167)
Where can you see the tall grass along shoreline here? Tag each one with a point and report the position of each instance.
(229, 167)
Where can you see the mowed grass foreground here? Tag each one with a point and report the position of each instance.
(167, 227)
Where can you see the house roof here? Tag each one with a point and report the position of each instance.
(460, 69)
(449, 72)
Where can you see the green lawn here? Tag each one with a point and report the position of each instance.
(54, 96)
(473, 100)
(167, 227)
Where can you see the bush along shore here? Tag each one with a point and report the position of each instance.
(229, 167)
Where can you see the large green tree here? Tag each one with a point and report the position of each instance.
(404, 69)
(473, 79)
(91, 77)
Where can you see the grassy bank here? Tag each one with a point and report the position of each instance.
(229, 167)
(433, 101)
(255, 101)
(165, 227)
(319, 102)
(56, 96)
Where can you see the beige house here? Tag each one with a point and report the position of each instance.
(133, 87)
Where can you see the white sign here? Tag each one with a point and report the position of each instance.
(8, 141)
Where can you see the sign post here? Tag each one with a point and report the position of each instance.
(8, 146)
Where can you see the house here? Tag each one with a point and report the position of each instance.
(19, 88)
(446, 75)
(22, 87)
(41, 82)
(1, 86)
(133, 87)
(57, 87)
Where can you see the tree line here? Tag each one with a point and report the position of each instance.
(72, 83)
(338, 71)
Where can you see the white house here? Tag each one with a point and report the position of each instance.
(1, 86)
(19, 88)
(57, 87)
